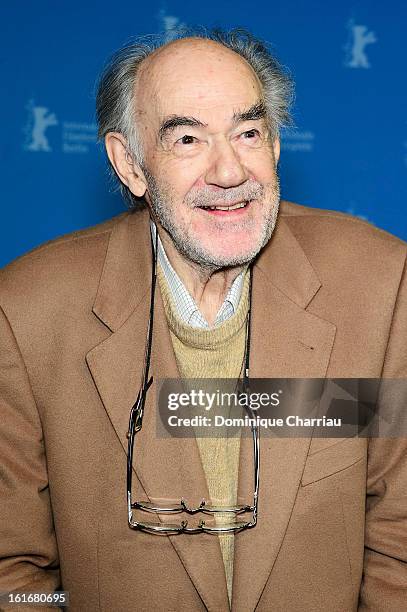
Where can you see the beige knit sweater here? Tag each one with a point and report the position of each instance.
(212, 354)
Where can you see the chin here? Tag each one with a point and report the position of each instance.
(206, 256)
(242, 249)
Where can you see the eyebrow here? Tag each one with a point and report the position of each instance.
(255, 112)
(173, 121)
(169, 124)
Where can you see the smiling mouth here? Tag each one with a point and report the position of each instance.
(227, 209)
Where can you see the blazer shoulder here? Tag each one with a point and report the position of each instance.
(71, 260)
(346, 251)
(339, 230)
(52, 246)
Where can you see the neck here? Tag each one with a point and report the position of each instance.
(207, 286)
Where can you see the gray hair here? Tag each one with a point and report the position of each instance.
(115, 92)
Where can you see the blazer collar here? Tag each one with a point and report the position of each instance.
(287, 341)
(127, 268)
(126, 274)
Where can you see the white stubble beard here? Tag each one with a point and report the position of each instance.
(190, 248)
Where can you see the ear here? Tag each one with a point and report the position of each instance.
(276, 150)
(125, 167)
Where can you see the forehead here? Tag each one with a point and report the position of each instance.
(195, 77)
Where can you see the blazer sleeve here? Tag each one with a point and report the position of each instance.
(28, 549)
(384, 584)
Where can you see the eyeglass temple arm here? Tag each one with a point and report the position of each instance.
(256, 460)
(137, 410)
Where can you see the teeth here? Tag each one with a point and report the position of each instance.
(234, 207)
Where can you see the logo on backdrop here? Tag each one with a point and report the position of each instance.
(73, 136)
(297, 141)
(353, 210)
(359, 38)
(39, 120)
(169, 24)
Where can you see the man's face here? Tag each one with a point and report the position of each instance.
(209, 159)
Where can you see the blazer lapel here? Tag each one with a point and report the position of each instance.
(167, 469)
(287, 341)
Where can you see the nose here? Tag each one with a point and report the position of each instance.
(225, 168)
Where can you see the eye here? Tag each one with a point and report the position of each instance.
(251, 134)
(186, 140)
(253, 138)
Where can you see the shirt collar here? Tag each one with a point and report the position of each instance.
(185, 305)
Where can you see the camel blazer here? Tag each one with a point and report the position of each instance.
(329, 299)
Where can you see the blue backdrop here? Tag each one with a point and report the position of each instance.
(348, 151)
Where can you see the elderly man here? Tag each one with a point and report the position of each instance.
(202, 278)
